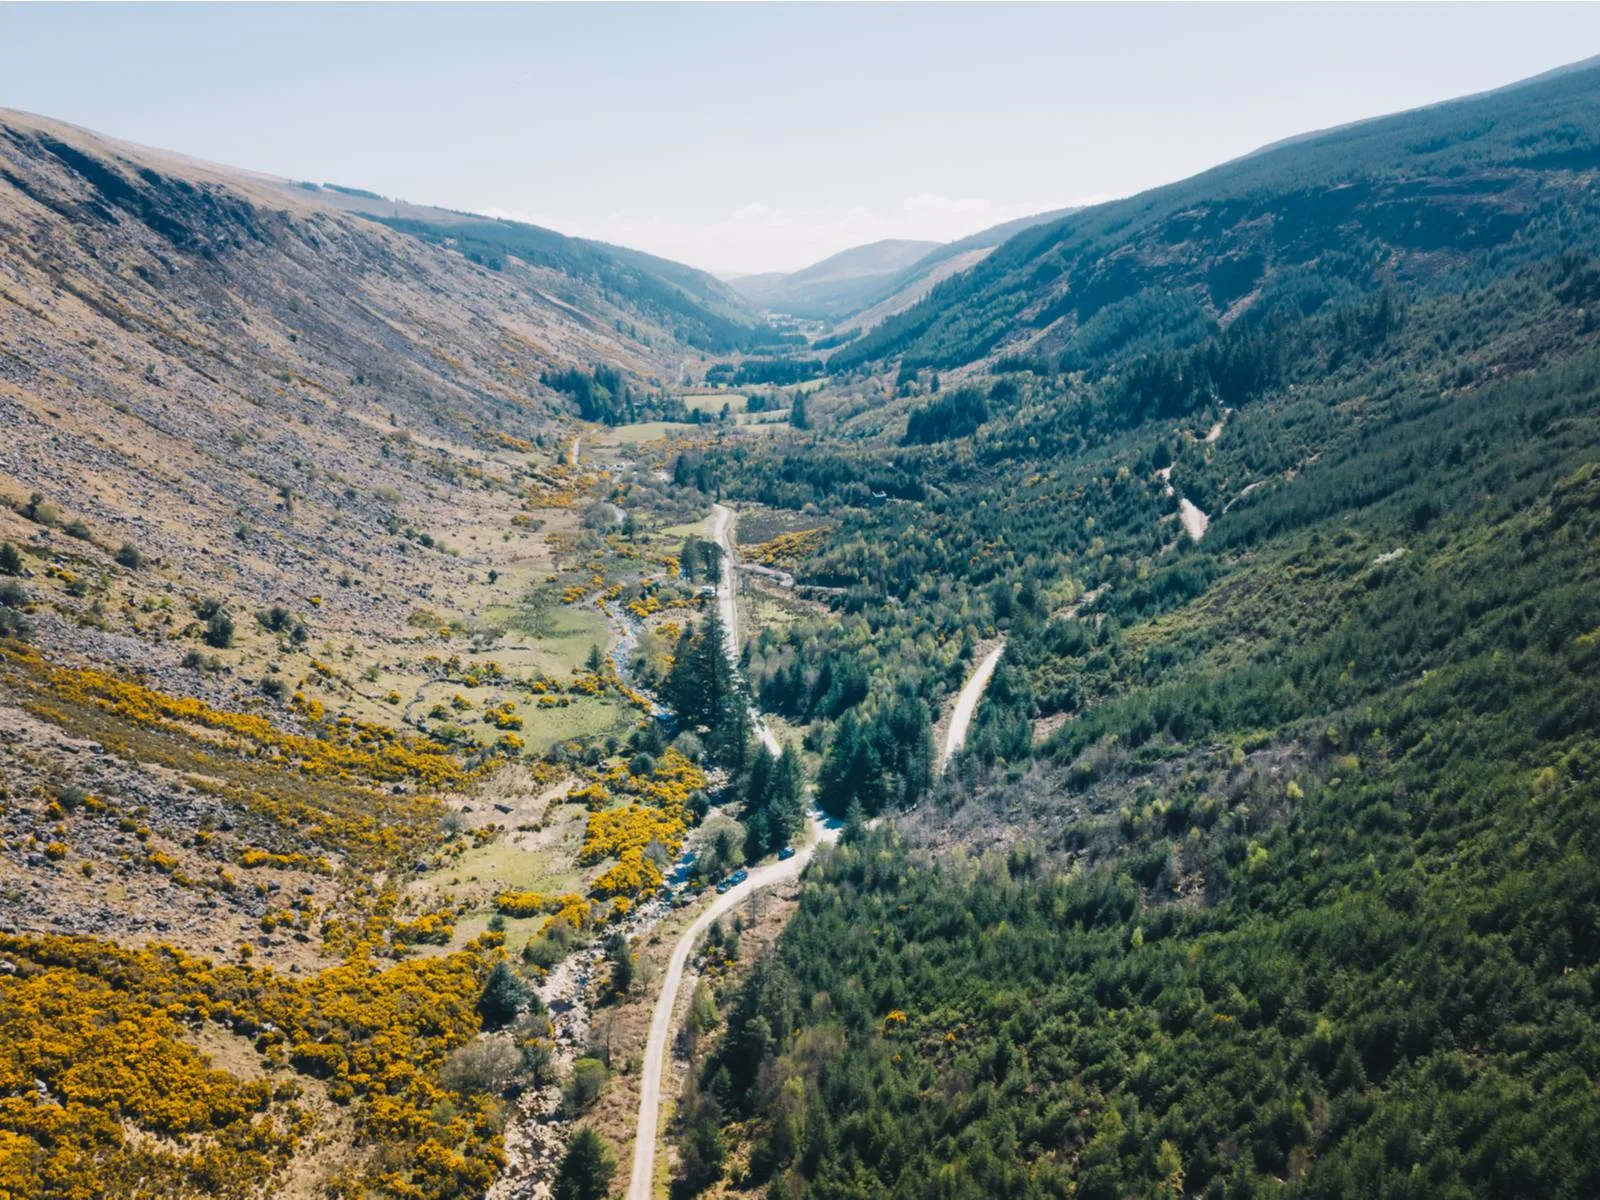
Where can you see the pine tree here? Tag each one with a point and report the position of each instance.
(587, 1168)
(504, 996)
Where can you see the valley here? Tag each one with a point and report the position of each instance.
(1103, 707)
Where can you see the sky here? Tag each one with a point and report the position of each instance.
(744, 138)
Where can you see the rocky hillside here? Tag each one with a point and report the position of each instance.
(203, 364)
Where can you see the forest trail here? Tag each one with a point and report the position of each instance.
(967, 704)
(642, 1182)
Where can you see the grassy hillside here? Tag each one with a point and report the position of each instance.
(1425, 198)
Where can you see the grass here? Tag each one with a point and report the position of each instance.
(771, 417)
(770, 610)
(714, 402)
(647, 431)
(539, 861)
(701, 528)
(757, 525)
(580, 719)
(561, 635)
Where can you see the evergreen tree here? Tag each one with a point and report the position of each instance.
(587, 1168)
(704, 691)
(504, 996)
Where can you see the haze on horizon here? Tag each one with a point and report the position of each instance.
(758, 138)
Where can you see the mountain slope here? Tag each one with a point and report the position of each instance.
(679, 303)
(900, 292)
(213, 341)
(298, 607)
(667, 300)
(1272, 862)
(1408, 197)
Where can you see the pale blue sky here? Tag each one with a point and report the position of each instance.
(755, 137)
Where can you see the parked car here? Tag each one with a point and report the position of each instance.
(738, 876)
(786, 853)
(724, 886)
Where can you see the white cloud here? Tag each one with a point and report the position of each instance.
(755, 236)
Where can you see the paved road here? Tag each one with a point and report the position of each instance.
(644, 1147)
(967, 704)
(642, 1182)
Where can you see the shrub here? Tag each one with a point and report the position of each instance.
(12, 595)
(620, 955)
(551, 946)
(77, 529)
(10, 559)
(40, 511)
(484, 1066)
(583, 1089)
(129, 556)
(274, 687)
(275, 619)
(519, 904)
(219, 630)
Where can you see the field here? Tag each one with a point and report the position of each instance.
(715, 402)
(647, 431)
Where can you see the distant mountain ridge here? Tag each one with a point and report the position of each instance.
(827, 288)
(866, 278)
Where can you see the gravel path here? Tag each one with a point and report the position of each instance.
(967, 704)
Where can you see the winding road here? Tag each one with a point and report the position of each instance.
(641, 1183)
(966, 704)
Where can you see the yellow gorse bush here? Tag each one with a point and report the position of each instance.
(128, 1106)
(357, 748)
(790, 549)
(519, 904)
(625, 833)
